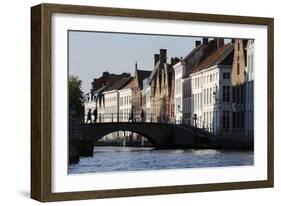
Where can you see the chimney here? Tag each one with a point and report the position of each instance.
(105, 74)
(156, 58)
(172, 61)
(219, 42)
(163, 55)
(205, 40)
(197, 43)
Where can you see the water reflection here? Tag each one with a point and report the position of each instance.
(109, 159)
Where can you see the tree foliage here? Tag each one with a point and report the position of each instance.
(75, 96)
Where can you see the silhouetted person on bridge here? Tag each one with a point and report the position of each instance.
(95, 115)
(89, 116)
(142, 115)
(132, 114)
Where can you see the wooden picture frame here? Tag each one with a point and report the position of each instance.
(41, 171)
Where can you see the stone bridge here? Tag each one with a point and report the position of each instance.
(161, 135)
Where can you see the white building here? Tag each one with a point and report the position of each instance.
(95, 100)
(207, 91)
(178, 95)
(111, 110)
(211, 95)
(89, 104)
(111, 104)
(125, 104)
(146, 101)
(187, 101)
(249, 96)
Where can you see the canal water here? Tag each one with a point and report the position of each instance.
(110, 159)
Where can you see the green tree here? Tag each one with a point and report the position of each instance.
(75, 93)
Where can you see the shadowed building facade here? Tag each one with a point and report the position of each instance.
(238, 80)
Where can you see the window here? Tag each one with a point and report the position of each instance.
(204, 96)
(238, 68)
(226, 120)
(211, 78)
(178, 86)
(234, 120)
(178, 71)
(234, 94)
(242, 94)
(207, 96)
(226, 93)
(242, 119)
(226, 75)
(211, 94)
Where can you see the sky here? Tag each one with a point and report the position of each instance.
(92, 53)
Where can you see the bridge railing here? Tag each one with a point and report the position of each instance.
(73, 131)
(125, 117)
(136, 117)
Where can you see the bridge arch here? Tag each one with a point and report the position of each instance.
(160, 135)
(148, 138)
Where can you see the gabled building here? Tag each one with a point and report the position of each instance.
(96, 98)
(146, 101)
(161, 82)
(188, 65)
(249, 96)
(211, 90)
(136, 85)
(238, 81)
(112, 100)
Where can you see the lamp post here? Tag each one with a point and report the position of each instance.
(195, 119)
(216, 100)
(179, 110)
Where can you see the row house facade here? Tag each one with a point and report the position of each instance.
(178, 91)
(161, 82)
(238, 81)
(146, 101)
(217, 90)
(189, 65)
(249, 109)
(115, 102)
(212, 87)
(211, 91)
(242, 81)
(136, 86)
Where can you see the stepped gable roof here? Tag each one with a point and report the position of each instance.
(141, 75)
(154, 70)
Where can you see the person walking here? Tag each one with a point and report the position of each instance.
(132, 114)
(95, 115)
(142, 115)
(89, 117)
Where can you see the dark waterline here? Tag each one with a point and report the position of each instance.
(110, 159)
